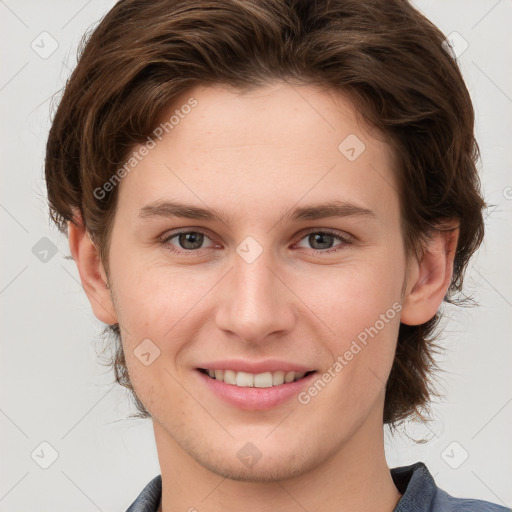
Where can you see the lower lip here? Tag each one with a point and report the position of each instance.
(255, 399)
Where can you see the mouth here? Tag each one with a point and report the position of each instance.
(255, 380)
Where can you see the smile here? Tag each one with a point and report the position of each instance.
(255, 380)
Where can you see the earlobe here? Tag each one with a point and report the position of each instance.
(430, 277)
(92, 273)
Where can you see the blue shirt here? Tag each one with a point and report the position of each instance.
(419, 494)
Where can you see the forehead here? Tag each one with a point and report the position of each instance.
(270, 147)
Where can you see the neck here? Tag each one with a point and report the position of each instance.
(356, 478)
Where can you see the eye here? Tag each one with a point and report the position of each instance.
(186, 241)
(322, 241)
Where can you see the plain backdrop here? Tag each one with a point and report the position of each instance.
(53, 389)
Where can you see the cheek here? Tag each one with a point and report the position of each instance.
(153, 299)
(362, 310)
(354, 296)
(362, 352)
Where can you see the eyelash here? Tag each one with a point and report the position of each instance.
(336, 234)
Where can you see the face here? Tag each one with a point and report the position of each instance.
(301, 269)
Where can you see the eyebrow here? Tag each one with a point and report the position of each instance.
(163, 208)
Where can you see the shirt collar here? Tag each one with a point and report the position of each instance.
(417, 487)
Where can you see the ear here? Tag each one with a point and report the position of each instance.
(92, 273)
(430, 274)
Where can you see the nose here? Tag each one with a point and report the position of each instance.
(256, 303)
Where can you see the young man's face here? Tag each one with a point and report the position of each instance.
(262, 288)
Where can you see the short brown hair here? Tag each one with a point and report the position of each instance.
(390, 60)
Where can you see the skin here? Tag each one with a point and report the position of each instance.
(256, 156)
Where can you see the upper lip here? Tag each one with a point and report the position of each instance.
(267, 365)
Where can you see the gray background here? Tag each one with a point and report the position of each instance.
(52, 388)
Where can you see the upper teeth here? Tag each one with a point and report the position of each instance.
(258, 380)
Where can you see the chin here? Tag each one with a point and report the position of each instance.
(264, 473)
(266, 469)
